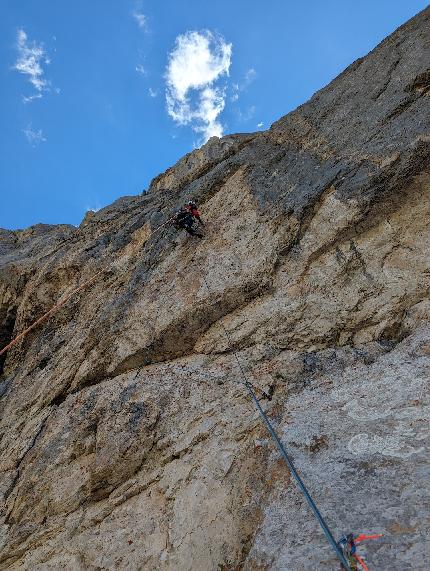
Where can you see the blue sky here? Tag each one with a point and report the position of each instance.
(99, 96)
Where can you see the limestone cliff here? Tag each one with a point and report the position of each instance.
(127, 438)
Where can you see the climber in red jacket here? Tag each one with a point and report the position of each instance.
(193, 210)
(184, 219)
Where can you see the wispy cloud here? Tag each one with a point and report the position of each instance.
(152, 92)
(197, 62)
(139, 16)
(246, 115)
(260, 124)
(140, 69)
(31, 59)
(140, 19)
(33, 137)
(237, 88)
(250, 75)
(31, 98)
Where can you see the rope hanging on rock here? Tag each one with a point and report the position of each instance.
(63, 302)
(338, 552)
(284, 454)
(53, 310)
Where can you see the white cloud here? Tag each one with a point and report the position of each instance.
(197, 61)
(31, 58)
(260, 124)
(152, 92)
(140, 69)
(33, 137)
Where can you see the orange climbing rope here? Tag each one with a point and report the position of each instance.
(63, 302)
(53, 309)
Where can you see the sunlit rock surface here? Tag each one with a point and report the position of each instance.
(128, 440)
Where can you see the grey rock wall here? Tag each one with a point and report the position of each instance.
(127, 438)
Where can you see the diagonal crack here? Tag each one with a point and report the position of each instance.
(18, 468)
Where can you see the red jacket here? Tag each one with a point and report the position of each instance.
(193, 211)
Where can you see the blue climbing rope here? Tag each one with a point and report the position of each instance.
(288, 461)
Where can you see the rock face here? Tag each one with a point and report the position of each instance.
(128, 440)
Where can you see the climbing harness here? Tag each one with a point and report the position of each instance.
(288, 461)
(348, 545)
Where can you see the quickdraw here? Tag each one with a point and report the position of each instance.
(348, 545)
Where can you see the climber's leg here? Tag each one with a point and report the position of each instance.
(192, 232)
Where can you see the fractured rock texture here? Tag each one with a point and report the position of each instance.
(128, 440)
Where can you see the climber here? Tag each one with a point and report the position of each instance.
(184, 219)
(348, 544)
(193, 210)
